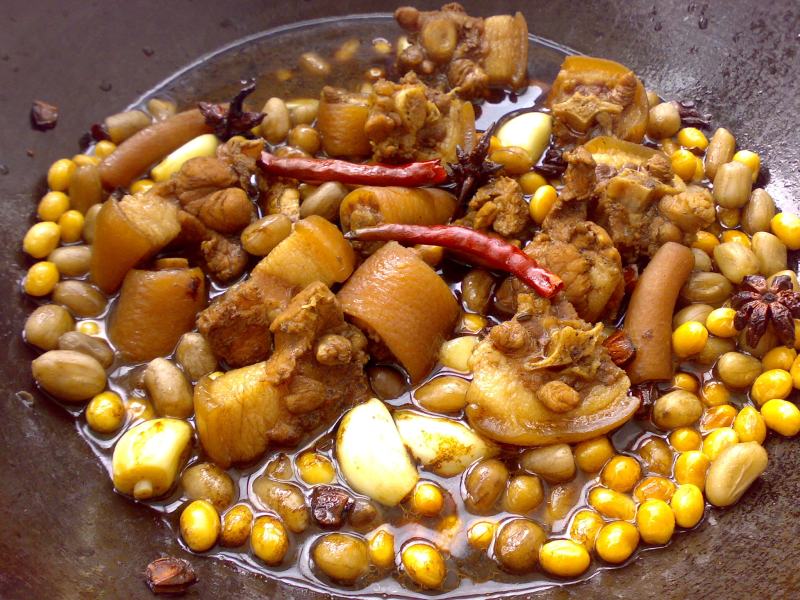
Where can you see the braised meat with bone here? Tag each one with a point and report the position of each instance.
(545, 378)
(314, 372)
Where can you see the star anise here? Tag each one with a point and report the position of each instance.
(758, 303)
(232, 120)
(472, 169)
(691, 116)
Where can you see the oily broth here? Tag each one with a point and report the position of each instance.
(465, 565)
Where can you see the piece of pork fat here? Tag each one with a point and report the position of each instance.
(630, 191)
(368, 206)
(468, 54)
(583, 255)
(595, 96)
(402, 303)
(340, 121)
(127, 233)
(410, 121)
(546, 378)
(315, 372)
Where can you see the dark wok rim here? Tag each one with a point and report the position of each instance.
(763, 572)
(247, 563)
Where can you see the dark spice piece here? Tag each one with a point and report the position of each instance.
(170, 575)
(619, 347)
(44, 115)
(630, 275)
(230, 120)
(99, 132)
(472, 169)
(329, 505)
(491, 252)
(647, 393)
(552, 164)
(757, 304)
(691, 117)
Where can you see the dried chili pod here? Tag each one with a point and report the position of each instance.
(491, 252)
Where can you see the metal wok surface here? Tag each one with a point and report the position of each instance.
(65, 534)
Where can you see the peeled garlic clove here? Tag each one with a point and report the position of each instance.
(446, 447)
(148, 457)
(734, 471)
(372, 456)
(530, 131)
(202, 145)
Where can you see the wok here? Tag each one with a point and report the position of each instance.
(64, 534)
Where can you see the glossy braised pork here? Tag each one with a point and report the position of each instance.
(314, 373)
(464, 53)
(584, 256)
(411, 121)
(631, 192)
(237, 323)
(499, 206)
(544, 377)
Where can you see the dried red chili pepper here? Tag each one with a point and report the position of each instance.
(493, 252)
(429, 172)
